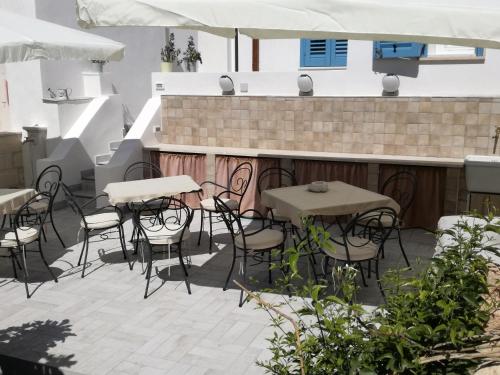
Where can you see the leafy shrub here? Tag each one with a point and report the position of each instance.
(432, 323)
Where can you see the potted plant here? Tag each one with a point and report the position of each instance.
(191, 55)
(169, 54)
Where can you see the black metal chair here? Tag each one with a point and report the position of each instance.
(141, 170)
(401, 187)
(96, 219)
(273, 178)
(363, 239)
(168, 227)
(26, 228)
(234, 191)
(47, 182)
(255, 243)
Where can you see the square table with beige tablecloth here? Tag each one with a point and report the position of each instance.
(296, 202)
(12, 199)
(144, 190)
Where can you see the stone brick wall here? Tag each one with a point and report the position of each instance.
(11, 161)
(440, 127)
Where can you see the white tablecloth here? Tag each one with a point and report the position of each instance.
(12, 199)
(295, 202)
(143, 190)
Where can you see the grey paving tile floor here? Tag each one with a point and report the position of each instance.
(102, 324)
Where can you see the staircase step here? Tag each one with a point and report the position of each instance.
(113, 146)
(103, 159)
(88, 175)
(88, 185)
(89, 178)
(85, 194)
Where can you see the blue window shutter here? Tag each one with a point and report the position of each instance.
(391, 50)
(479, 52)
(315, 52)
(339, 49)
(323, 52)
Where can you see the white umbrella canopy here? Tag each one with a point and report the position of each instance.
(24, 38)
(460, 22)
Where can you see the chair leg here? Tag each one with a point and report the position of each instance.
(269, 271)
(362, 274)
(210, 234)
(326, 263)
(55, 230)
(282, 257)
(312, 262)
(242, 300)
(86, 253)
(25, 271)
(148, 271)
(3, 221)
(45, 261)
(124, 248)
(401, 247)
(370, 268)
(310, 248)
(201, 226)
(231, 269)
(379, 282)
(133, 235)
(43, 233)
(13, 263)
(186, 276)
(83, 247)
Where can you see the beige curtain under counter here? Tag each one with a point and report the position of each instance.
(308, 171)
(177, 164)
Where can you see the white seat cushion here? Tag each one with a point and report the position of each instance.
(26, 235)
(385, 220)
(359, 249)
(266, 239)
(209, 204)
(101, 221)
(166, 234)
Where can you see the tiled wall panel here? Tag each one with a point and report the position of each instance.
(441, 127)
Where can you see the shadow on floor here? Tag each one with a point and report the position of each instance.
(33, 341)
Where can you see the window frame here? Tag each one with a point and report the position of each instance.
(331, 52)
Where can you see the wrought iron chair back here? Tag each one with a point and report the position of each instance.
(239, 180)
(168, 213)
(49, 180)
(230, 218)
(401, 187)
(36, 218)
(275, 177)
(142, 170)
(376, 226)
(70, 199)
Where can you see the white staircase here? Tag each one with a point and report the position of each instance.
(103, 159)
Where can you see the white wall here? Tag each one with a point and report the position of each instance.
(28, 81)
(131, 76)
(87, 138)
(130, 151)
(361, 77)
(357, 79)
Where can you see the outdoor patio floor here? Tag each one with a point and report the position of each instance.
(102, 324)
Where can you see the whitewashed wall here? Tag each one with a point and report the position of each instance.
(28, 81)
(280, 66)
